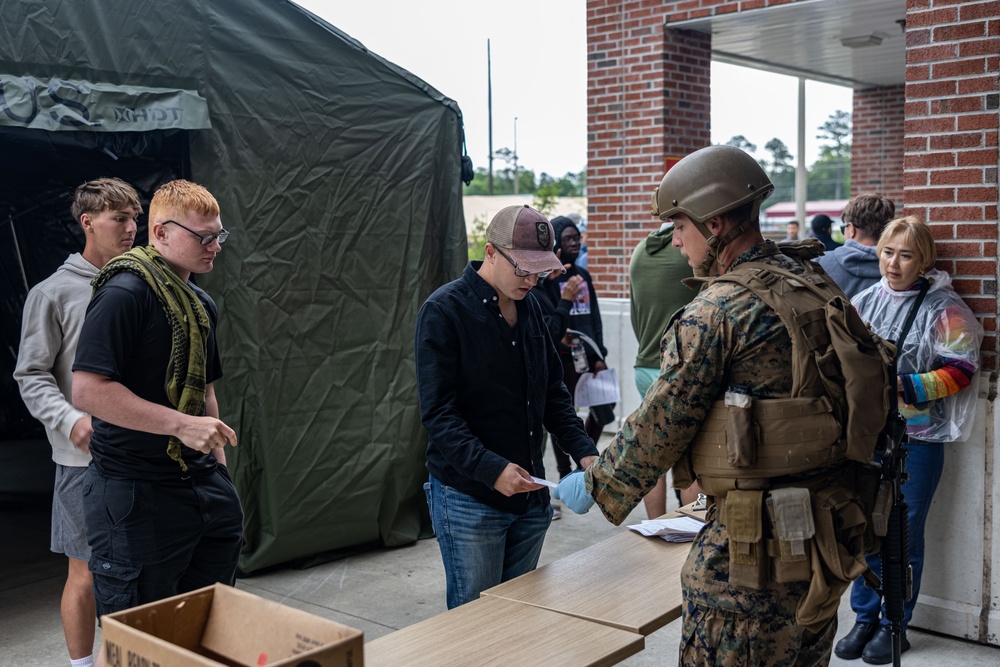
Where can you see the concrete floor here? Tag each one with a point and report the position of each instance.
(377, 592)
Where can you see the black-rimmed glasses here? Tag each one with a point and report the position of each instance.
(205, 239)
(518, 271)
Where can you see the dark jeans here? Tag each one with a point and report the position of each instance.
(924, 463)
(151, 540)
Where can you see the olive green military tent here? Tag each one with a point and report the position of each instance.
(338, 174)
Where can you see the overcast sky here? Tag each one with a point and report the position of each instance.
(538, 54)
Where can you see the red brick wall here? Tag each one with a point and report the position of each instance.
(950, 155)
(648, 98)
(877, 148)
(696, 9)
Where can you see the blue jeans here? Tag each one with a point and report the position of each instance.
(482, 546)
(924, 463)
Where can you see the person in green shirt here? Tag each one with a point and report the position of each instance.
(655, 294)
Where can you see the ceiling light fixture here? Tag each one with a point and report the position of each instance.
(860, 41)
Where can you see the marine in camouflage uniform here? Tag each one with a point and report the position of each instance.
(726, 339)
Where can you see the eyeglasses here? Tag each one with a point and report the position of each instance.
(519, 272)
(206, 239)
(570, 238)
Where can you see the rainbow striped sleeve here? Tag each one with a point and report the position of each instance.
(955, 363)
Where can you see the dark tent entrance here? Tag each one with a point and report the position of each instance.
(338, 174)
(39, 171)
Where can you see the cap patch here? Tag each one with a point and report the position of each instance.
(542, 232)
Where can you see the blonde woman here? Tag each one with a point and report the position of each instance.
(937, 368)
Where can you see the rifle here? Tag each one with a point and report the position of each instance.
(890, 522)
(889, 516)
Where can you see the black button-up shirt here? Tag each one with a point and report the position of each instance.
(486, 389)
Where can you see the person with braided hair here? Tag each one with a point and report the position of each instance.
(163, 516)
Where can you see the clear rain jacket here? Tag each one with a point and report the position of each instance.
(938, 362)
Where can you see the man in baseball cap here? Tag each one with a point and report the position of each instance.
(526, 238)
(488, 376)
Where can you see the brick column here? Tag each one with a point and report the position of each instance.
(648, 98)
(950, 156)
(648, 101)
(877, 144)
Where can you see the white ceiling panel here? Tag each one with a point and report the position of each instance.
(805, 39)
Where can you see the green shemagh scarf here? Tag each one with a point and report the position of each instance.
(189, 327)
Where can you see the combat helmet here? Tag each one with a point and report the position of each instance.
(710, 182)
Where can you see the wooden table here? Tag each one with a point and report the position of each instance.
(628, 581)
(494, 631)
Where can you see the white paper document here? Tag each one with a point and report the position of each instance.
(679, 529)
(539, 480)
(597, 390)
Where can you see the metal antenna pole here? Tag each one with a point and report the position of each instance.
(489, 108)
(515, 156)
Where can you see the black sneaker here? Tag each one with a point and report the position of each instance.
(879, 649)
(851, 646)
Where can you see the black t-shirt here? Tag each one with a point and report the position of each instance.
(126, 337)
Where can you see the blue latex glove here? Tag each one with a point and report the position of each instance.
(572, 490)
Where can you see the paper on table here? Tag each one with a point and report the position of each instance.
(539, 480)
(679, 529)
(597, 390)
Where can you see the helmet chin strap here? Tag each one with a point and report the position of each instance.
(704, 269)
(716, 245)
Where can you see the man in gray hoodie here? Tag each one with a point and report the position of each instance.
(854, 265)
(54, 311)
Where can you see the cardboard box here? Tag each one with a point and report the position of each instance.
(220, 625)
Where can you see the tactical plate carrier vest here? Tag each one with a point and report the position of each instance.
(792, 478)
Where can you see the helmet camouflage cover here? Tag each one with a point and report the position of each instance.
(710, 182)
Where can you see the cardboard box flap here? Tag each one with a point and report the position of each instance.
(180, 620)
(243, 627)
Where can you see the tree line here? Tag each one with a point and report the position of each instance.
(544, 186)
(829, 177)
